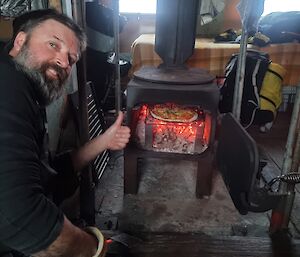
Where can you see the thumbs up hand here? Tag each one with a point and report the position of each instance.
(117, 136)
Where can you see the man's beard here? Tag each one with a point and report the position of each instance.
(48, 89)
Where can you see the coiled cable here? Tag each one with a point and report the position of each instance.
(289, 178)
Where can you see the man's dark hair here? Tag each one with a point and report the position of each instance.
(29, 20)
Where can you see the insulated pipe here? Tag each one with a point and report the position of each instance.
(117, 57)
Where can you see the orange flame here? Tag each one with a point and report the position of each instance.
(176, 136)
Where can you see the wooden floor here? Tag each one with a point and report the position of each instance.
(195, 245)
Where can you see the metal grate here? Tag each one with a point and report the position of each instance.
(96, 127)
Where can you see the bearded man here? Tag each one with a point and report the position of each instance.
(33, 73)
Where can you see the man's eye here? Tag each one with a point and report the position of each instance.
(72, 60)
(53, 45)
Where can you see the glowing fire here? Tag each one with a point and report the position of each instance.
(180, 137)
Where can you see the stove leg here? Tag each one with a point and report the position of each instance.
(204, 176)
(130, 173)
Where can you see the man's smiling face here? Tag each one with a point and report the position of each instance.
(47, 54)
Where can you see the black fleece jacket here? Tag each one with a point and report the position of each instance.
(29, 221)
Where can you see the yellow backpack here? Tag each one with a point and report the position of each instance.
(270, 93)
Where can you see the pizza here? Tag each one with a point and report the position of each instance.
(173, 113)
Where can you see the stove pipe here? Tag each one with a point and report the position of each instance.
(175, 31)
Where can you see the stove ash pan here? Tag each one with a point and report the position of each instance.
(189, 134)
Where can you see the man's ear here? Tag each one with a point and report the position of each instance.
(19, 41)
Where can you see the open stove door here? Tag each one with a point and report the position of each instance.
(238, 161)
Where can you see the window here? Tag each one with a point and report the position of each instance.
(137, 6)
(281, 6)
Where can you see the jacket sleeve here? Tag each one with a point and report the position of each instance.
(29, 221)
(67, 180)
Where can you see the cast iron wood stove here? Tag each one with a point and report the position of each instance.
(172, 87)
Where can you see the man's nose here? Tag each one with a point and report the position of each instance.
(62, 60)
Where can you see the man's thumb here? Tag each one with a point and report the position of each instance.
(119, 120)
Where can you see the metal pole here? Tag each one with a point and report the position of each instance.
(240, 75)
(117, 57)
(249, 12)
(296, 159)
(87, 191)
(287, 160)
(281, 215)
